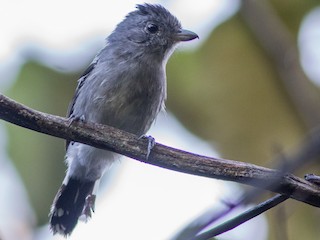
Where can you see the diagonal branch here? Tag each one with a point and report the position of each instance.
(106, 137)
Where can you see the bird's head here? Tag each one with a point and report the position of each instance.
(152, 29)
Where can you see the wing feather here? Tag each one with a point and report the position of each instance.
(81, 82)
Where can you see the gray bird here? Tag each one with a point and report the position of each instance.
(124, 87)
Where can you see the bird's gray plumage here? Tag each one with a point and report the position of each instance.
(124, 87)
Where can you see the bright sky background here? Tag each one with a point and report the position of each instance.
(58, 32)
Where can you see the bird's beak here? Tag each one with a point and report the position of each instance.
(185, 35)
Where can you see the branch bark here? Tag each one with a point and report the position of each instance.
(109, 138)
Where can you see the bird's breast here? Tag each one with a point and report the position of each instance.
(135, 102)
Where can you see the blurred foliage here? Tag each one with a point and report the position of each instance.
(227, 92)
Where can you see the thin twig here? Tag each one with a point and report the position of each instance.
(242, 218)
(105, 137)
(210, 216)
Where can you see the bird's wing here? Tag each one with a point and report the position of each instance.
(81, 81)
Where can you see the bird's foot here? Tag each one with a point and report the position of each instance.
(151, 144)
(73, 118)
(89, 206)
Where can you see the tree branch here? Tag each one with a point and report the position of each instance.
(109, 138)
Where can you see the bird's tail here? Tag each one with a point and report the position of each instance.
(73, 199)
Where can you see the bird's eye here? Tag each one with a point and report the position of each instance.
(152, 28)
